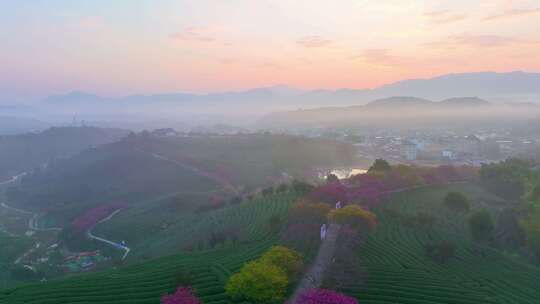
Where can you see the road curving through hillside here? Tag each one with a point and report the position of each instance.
(91, 236)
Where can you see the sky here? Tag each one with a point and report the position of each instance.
(125, 47)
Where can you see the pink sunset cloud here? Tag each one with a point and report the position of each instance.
(514, 13)
(381, 57)
(474, 41)
(195, 34)
(444, 17)
(313, 41)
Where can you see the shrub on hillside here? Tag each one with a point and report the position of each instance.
(324, 296)
(183, 295)
(284, 258)
(282, 188)
(440, 252)
(403, 176)
(301, 187)
(235, 200)
(274, 222)
(421, 220)
(258, 282)
(353, 216)
(184, 278)
(331, 178)
(220, 237)
(267, 191)
(505, 179)
(456, 201)
(535, 193)
(531, 227)
(424, 220)
(92, 216)
(365, 189)
(24, 274)
(331, 193)
(481, 225)
(380, 165)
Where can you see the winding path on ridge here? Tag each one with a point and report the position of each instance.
(33, 226)
(315, 274)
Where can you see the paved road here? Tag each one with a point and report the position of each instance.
(24, 255)
(32, 225)
(32, 222)
(315, 274)
(13, 179)
(90, 235)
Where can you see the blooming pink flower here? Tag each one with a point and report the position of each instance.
(183, 295)
(324, 296)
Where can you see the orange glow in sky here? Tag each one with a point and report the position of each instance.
(132, 47)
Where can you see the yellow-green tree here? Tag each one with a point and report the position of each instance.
(287, 259)
(353, 216)
(258, 282)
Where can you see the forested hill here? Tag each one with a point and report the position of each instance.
(20, 153)
(142, 167)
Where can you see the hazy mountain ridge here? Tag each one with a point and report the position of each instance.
(468, 84)
(409, 101)
(446, 86)
(404, 109)
(250, 105)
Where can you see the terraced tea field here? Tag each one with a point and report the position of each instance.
(143, 283)
(397, 269)
(169, 233)
(146, 282)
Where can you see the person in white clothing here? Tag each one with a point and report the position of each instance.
(323, 231)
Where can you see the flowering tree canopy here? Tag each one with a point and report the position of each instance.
(324, 296)
(331, 193)
(183, 295)
(369, 189)
(94, 215)
(354, 216)
(285, 258)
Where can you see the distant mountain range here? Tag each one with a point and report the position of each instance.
(410, 102)
(482, 84)
(404, 111)
(246, 107)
